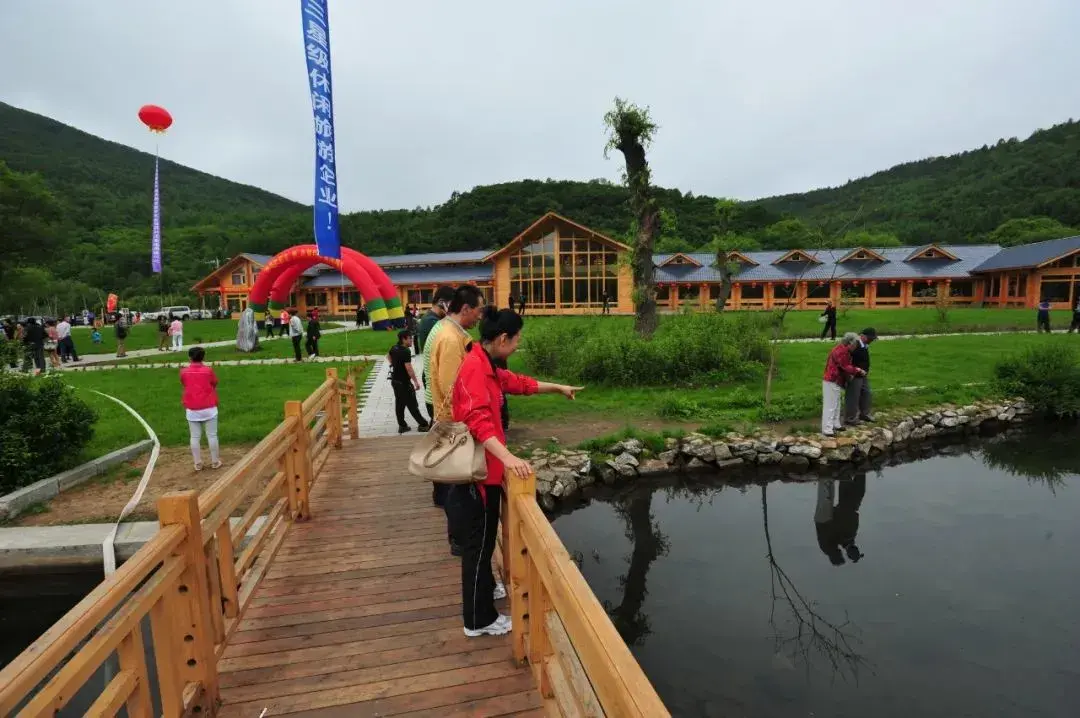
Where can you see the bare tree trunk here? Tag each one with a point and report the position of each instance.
(648, 226)
(724, 291)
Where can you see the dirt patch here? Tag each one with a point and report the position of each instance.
(571, 432)
(102, 498)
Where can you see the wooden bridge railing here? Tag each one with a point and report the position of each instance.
(191, 581)
(577, 657)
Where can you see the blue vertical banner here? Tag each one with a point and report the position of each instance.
(316, 21)
(155, 228)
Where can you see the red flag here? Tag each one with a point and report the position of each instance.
(110, 304)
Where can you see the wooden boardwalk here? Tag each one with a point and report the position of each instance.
(359, 614)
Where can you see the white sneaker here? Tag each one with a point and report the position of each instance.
(500, 590)
(499, 627)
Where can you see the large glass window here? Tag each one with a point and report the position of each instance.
(421, 297)
(888, 290)
(348, 299)
(315, 299)
(581, 270)
(1056, 290)
(753, 291)
(960, 288)
(238, 278)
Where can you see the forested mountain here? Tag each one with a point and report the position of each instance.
(75, 212)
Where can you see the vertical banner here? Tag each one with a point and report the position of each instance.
(155, 230)
(316, 23)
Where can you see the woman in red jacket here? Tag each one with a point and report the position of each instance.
(200, 402)
(473, 509)
(838, 369)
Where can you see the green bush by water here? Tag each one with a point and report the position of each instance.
(1047, 376)
(686, 350)
(43, 425)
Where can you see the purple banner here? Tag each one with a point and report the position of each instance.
(155, 232)
(316, 24)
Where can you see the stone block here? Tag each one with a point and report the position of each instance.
(771, 458)
(795, 461)
(729, 463)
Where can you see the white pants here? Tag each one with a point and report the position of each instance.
(832, 396)
(177, 341)
(195, 428)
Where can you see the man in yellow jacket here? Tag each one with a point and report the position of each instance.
(444, 351)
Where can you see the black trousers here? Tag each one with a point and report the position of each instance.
(269, 329)
(1043, 323)
(830, 326)
(1075, 324)
(67, 348)
(405, 398)
(474, 526)
(312, 345)
(296, 347)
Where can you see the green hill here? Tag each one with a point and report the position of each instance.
(80, 226)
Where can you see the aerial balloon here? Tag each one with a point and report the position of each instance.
(156, 118)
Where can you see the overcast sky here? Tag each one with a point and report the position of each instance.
(431, 96)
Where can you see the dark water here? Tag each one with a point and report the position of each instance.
(964, 599)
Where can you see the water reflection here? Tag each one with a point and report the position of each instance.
(1047, 461)
(649, 544)
(804, 632)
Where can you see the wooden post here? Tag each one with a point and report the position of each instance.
(299, 463)
(354, 409)
(227, 569)
(519, 490)
(132, 656)
(166, 645)
(539, 644)
(333, 412)
(192, 618)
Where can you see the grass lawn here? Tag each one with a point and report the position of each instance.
(144, 335)
(943, 365)
(251, 402)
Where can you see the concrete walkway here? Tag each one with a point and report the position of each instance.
(377, 416)
(87, 359)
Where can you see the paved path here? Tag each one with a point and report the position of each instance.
(377, 414)
(96, 358)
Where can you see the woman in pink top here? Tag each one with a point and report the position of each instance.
(201, 404)
(176, 331)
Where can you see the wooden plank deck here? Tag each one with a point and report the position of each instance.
(360, 612)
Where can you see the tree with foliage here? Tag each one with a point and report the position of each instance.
(670, 241)
(28, 213)
(631, 131)
(869, 238)
(1026, 230)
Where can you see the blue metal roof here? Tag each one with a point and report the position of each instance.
(432, 258)
(969, 257)
(415, 275)
(1030, 255)
(262, 259)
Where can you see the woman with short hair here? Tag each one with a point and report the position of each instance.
(838, 369)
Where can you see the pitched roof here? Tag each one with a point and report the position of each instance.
(797, 255)
(927, 247)
(467, 257)
(262, 259)
(968, 257)
(552, 217)
(412, 275)
(1030, 255)
(686, 259)
(855, 252)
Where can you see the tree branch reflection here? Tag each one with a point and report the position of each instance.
(810, 634)
(649, 544)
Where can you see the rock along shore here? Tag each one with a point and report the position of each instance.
(562, 474)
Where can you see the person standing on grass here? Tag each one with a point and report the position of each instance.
(296, 332)
(269, 327)
(473, 509)
(67, 342)
(176, 331)
(447, 343)
(314, 331)
(201, 406)
(521, 304)
(52, 344)
(830, 320)
(510, 302)
(405, 384)
(1042, 317)
(1075, 324)
(838, 369)
(283, 327)
(357, 316)
(121, 329)
(605, 298)
(162, 333)
(857, 393)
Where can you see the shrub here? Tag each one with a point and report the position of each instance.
(685, 351)
(43, 424)
(1048, 377)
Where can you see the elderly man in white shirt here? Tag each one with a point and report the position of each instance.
(296, 332)
(65, 344)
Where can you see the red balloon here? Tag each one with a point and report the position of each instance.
(156, 118)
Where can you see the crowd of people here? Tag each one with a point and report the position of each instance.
(38, 346)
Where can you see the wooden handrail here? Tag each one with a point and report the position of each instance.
(560, 629)
(193, 579)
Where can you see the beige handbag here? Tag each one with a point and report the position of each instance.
(448, 454)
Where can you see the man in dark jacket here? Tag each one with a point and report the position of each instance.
(314, 331)
(857, 396)
(34, 340)
(830, 320)
(439, 303)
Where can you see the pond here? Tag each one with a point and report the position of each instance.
(948, 586)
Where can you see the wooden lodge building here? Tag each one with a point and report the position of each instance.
(562, 267)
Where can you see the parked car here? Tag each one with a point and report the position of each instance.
(202, 314)
(177, 312)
